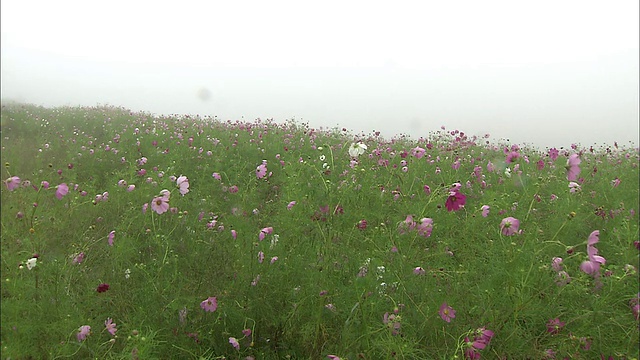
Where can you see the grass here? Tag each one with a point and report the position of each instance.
(342, 271)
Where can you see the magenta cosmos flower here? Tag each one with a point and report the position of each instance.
(102, 288)
(510, 226)
(554, 326)
(446, 312)
(83, 332)
(456, 200)
(573, 168)
(210, 305)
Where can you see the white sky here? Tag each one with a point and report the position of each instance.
(543, 72)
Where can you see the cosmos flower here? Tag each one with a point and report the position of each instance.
(510, 226)
(160, 204)
(446, 312)
(485, 210)
(234, 342)
(210, 304)
(554, 326)
(12, 183)
(111, 326)
(183, 184)
(357, 149)
(83, 332)
(455, 201)
(61, 190)
(573, 168)
(425, 227)
(261, 170)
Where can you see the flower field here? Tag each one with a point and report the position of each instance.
(127, 235)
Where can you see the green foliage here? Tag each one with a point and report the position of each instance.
(327, 279)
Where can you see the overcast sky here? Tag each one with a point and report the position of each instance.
(542, 72)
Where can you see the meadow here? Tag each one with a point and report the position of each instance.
(127, 235)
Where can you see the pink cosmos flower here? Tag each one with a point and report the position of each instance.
(332, 357)
(210, 304)
(160, 204)
(554, 326)
(418, 271)
(234, 234)
(573, 168)
(418, 152)
(260, 257)
(83, 332)
(556, 264)
(407, 225)
(131, 187)
(574, 187)
(183, 184)
(510, 226)
(455, 201)
(111, 326)
(261, 170)
(112, 235)
(427, 190)
(255, 280)
(78, 259)
(511, 156)
(362, 224)
(485, 210)
(425, 227)
(61, 191)
(446, 312)
(592, 266)
(234, 342)
(291, 205)
(264, 232)
(216, 176)
(12, 183)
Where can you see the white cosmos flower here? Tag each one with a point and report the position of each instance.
(357, 149)
(31, 263)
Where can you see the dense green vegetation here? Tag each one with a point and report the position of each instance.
(277, 241)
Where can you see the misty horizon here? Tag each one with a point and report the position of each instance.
(573, 82)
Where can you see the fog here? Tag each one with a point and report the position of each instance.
(544, 73)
